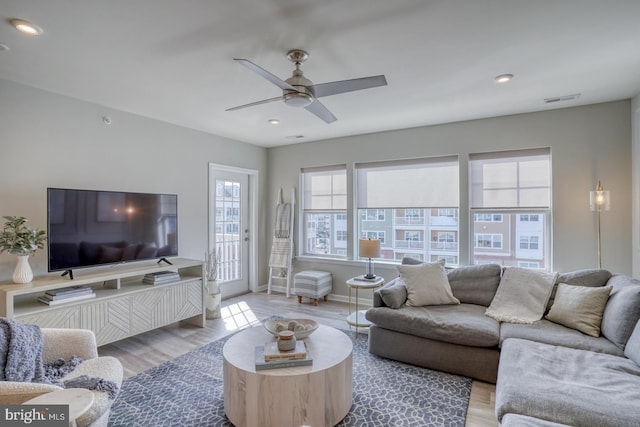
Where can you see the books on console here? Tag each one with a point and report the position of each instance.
(160, 277)
(65, 295)
(269, 357)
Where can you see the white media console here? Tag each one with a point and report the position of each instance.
(123, 306)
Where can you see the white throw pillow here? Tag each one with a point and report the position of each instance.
(579, 307)
(427, 284)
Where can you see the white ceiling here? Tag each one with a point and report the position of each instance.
(173, 60)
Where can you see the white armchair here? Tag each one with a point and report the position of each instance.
(64, 343)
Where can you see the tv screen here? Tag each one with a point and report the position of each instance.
(88, 228)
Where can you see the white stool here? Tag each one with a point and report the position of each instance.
(312, 284)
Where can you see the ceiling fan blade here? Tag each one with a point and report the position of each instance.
(321, 111)
(264, 101)
(264, 73)
(334, 88)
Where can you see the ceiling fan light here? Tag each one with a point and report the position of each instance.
(26, 27)
(297, 99)
(504, 78)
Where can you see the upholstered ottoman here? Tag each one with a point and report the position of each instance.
(312, 284)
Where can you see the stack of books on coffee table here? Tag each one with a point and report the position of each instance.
(160, 277)
(65, 295)
(269, 357)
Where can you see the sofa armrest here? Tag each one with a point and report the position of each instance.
(64, 343)
(15, 393)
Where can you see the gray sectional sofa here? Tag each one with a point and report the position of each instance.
(546, 374)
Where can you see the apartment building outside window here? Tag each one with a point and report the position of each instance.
(324, 205)
(510, 202)
(413, 204)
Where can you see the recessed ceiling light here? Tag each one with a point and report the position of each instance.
(274, 121)
(504, 78)
(26, 27)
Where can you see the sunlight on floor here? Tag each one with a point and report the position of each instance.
(238, 316)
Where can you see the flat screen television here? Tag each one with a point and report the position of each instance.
(88, 228)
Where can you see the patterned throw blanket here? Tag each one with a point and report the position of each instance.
(21, 360)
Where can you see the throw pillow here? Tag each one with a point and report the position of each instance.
(579, 307)
(522, 295)
(394, 295)
(426, 284)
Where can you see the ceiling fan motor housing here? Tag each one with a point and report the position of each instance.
(303, 95)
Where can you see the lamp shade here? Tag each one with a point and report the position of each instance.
(599, 200)
(369, 248)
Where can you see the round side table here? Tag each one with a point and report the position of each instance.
(356, 318)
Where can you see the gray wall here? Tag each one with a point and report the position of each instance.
(587, 143)
(49, 140)
(635, 135)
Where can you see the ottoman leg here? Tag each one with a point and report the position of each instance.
(315, 301)
(299, 299)
(326, 298)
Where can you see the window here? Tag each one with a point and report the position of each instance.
(372, 215)
(510, 197)
(419, 197)
(529, 242)
(493, 241)
(324, 205)
(487, 217)
(373, 235)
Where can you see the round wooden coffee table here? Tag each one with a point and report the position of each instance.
(316, 395)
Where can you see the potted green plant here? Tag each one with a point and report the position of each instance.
(18, 239)
(214, 298)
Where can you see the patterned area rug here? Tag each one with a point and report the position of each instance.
(187, 391)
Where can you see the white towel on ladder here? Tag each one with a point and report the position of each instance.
(280, 252)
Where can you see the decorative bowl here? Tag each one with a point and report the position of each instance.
(302, 328)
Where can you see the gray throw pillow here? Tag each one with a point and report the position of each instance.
(579, 308)
(632, 350)
(394, 295)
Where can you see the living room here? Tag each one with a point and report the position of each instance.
(56, 137)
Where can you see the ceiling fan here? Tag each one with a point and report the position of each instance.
(298, 91)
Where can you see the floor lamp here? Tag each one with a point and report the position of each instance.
(599, 201)
(369, 248)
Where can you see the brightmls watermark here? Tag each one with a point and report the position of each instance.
(34, 415)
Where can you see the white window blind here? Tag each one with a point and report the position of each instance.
(511, 179)
(420, 183)
(325, 188)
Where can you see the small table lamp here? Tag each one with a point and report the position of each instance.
(369, 248)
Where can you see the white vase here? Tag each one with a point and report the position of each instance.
(213, 300)
(23, 273)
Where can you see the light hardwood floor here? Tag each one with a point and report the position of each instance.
(144, 351)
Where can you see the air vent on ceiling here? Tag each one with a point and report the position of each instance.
(562, 98)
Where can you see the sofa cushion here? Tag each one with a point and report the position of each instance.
(567, 386)
(463, 324)
(623, 309)
(548, 332)
(394, 295)
(426, 284)
(589, 277)
(516, 420)
(475, 284)
(580, 307)
(632, 349)
(522, 295)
